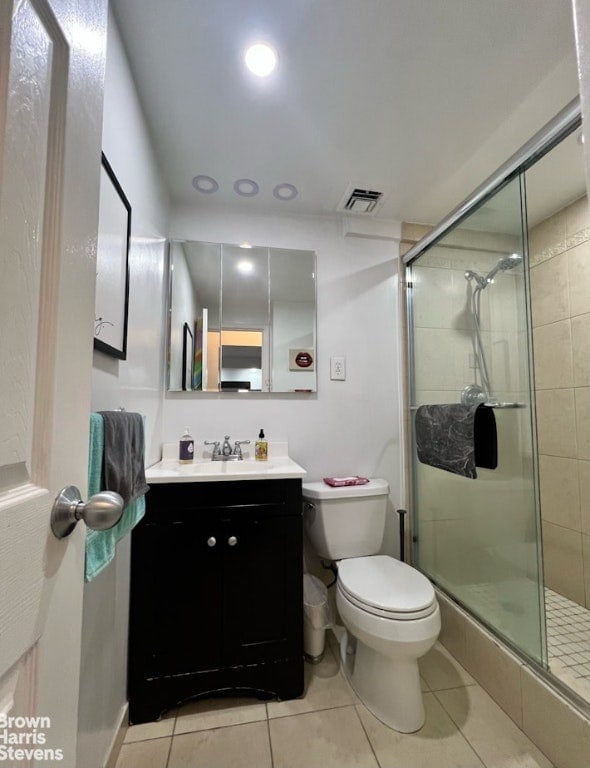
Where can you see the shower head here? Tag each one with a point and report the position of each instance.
(503, 265)
(509, 262)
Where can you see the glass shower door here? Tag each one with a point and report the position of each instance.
(478, 539)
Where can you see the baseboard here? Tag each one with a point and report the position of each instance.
(119, 737)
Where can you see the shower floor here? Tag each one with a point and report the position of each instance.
(568, 642)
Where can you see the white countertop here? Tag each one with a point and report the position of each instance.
(278, 466)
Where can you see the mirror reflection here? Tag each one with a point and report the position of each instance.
(241, 319)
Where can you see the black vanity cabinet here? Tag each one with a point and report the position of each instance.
(216, 594)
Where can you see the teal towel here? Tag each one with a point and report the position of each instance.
(100, 545)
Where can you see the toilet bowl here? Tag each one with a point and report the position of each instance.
(391, 611)
(388, 608)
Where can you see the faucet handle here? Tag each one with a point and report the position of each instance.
(215, 444)
(238, 447)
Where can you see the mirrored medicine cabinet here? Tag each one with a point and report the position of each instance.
(241, 319)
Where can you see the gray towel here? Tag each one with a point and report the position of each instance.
(123, 465)
(457, 438)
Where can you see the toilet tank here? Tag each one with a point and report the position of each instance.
(345, 522)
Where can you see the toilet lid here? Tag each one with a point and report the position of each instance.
(381, 582)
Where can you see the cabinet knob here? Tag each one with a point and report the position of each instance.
(232, 541)
(211, 541)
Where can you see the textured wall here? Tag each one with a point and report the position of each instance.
(135, 384)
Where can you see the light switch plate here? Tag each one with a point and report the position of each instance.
(338, 368)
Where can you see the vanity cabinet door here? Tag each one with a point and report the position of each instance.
(261, 588)
(177, 603)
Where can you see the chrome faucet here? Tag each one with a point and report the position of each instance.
(225, 452)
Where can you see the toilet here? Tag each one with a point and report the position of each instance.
(388, 608)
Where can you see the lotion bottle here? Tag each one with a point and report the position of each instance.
(261, 448)
(186, 447)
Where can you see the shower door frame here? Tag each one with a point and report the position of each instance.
(566, 121)
(557, 129)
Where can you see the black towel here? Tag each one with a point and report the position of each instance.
(123, 465)
(457, 438)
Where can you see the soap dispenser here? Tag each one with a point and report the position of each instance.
(261, 448)
(186, 447)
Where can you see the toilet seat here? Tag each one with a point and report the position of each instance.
(386, 587)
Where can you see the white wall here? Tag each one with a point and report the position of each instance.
(347, 427)
(135, 384)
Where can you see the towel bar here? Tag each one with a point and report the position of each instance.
(488, 405)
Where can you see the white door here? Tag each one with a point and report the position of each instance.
(51, 82)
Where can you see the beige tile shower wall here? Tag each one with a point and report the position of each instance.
(559, 250)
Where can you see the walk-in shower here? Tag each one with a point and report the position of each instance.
(498, 299)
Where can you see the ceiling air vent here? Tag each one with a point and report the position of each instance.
(360, 201)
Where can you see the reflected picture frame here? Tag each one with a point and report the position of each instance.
(111, 305)
(188, 356)
(301, 360)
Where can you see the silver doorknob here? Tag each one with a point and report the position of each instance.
(232, 541)
(211, 541)
(100, 512)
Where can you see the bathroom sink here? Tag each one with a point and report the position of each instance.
(278, 466)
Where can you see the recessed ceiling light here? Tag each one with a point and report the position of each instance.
(246, 187)
(245, 245)
(261, 59)
(205, 184)
(285, 191)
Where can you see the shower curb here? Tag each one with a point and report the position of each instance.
(558, 727)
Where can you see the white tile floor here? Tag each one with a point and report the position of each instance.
(329, 728)
(568, 642)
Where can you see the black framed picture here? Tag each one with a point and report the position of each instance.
(188, 356)
(112, 266)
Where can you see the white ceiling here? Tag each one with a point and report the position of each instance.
(392, 95)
